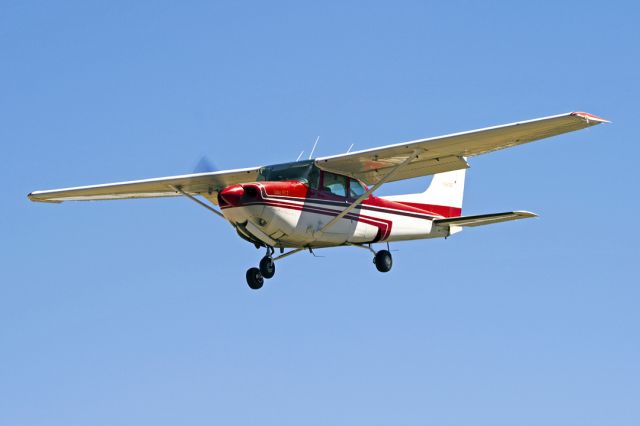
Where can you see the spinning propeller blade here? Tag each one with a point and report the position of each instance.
(204, 165)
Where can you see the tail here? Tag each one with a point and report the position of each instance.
(443, 196)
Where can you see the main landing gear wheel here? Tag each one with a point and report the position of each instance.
(254, 278)
(383, 261)
(267, 267)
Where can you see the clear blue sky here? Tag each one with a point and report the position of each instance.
(136, 312)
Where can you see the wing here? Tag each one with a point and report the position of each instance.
(445, 153)
(484, 219)
(206, 184)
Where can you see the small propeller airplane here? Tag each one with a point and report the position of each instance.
(329, 201)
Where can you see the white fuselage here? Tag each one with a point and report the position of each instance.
(284, 221)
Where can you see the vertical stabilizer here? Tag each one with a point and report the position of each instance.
(443, 196)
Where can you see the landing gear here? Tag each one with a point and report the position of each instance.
(383, 261)
(267, 267)
(254, 278)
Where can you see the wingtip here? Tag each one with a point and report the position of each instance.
(524, 213)
(589, 117)
(33, 196)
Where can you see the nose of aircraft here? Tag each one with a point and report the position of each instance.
(232, 194)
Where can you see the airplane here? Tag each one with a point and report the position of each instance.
(330, 202)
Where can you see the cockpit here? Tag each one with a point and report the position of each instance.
(309, 174)
(302, 171)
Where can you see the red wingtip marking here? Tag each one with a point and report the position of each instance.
(588, 116)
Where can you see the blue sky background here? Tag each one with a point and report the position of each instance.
(137, 312)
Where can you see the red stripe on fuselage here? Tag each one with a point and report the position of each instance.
(297, 191)
(286, 194)
(436, 210)
(383, 206)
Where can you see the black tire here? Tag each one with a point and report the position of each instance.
(267, 267)
(254, 278)
(383, 261)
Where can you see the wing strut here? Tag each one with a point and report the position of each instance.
(191, 197)
(364, 196)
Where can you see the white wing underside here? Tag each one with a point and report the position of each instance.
(433, 155)
(206, 184)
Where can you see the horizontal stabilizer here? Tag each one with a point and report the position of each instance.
(484, 219)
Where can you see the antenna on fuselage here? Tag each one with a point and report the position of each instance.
(298, 159)
(314, 147)
(349, 150)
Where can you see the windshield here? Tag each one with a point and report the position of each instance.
(304, 171)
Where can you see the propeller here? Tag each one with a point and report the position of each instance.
(205, 165)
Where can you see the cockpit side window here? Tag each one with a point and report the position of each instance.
(334, 184)
(355, 188)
